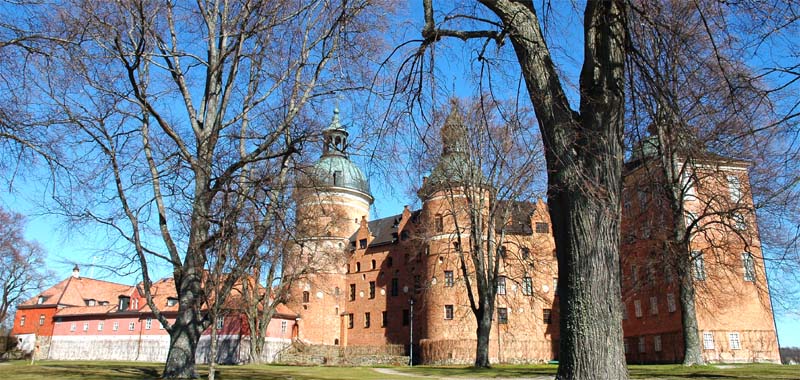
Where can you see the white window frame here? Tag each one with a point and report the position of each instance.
(131, 326)
(657, 343)
(671, 306)
(501, 285)
(73, 326)
(100, 325)
(284, 326)
(642, 345)
(85, 326)
(735, 188)
(527, 286)
(708, 340)
(734, 341)
(749, 267)
(653, 305)
(148, 323)
(220, 323)
(699, 266)
(637, 308)
(116, 326)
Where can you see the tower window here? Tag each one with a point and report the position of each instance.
(306, 297)
(547, 316)
(749, 267)
(542, 228)
(337, 178)
(395, 286)
(501, 285)
(449, 281)
(372, 289)
(502, 315)
(439, 223)
(526, 253)
(448, 311)
(352, 292)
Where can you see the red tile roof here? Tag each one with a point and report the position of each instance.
(76, 291)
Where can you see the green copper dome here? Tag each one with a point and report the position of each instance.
(334, 168)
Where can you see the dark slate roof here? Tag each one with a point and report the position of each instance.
(520, 215)
(384, 230)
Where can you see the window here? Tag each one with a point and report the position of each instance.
(358, 267)
(350, 321)
(148, 323)
(100, 325)
(739, 222)
(40, 300)
(366, 320)
(284, 327)
(708, 340)
(542, 228)
(384, 318)
(220, 322)
(85, 326)
(41, 320)
(448, 311)
(654, 305)
(642, 347)
(634, 274)
(555, 285)
(501, 285)
(749, 267)
(22, 320)
(352, 292)
(671, 302)
(527, 286)
(547, 316)
(336, 291)
(457, 246)
(306, 297)
(362, 243)
(438, 223)
(91, 302)
(502, 315)
(449, 281)
(73, 326)
(733, 341)
(626, 344)
(337, 177)
(372, 289)
(657, 343)
(406, 317)
(642, 196)
(699, 266)
(637, 308)
(526, 253)
(131, 326)
(395, 286)
(172, 301)
(688, 182)
(735, 187)
(123, 303)
(373, 265)
(116, 326)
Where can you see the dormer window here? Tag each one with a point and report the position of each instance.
(124, 302)
(362, 243)
(91, 302)
(172, 301)
(337, 178)
(40, 300)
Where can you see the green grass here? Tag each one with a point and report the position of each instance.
(102, 370)
(56, 370)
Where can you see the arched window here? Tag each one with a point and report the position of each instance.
(373, 264)
(358, 267)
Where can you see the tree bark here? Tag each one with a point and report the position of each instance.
(212, 352)
(482, 348)
(185, 332)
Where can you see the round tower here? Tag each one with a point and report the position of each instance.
(448, 194)
(331, 199)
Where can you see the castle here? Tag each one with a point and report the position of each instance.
(399, 284)
(372, 280)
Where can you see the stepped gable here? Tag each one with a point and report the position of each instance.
(385, 230)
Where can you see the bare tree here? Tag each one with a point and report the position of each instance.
(704, 110)
(22, 263)
(486, 166)
(184, 121)
(583, 151)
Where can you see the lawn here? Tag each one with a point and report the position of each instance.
(56, 370)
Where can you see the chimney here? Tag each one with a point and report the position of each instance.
(76, 272)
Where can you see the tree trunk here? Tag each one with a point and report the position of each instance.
(212, 352)
(692, 355)
(482, 347)
(184, 335)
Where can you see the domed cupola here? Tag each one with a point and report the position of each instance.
(455, 167)
(334, 169)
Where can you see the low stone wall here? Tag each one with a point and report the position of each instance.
(318, 354)
(462, 351)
